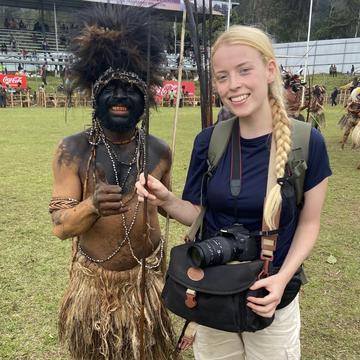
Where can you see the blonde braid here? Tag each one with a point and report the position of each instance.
(282, 139)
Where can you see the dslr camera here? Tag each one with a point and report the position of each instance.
(234, 243)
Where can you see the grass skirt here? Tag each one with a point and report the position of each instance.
(100, 314)
(356, 136)
(347, 121)
(318, 120)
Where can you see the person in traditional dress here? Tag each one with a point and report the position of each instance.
(94, 199)
(317, 107)
(350, 120)
(293, 93)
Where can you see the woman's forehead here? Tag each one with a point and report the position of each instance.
(228, 55)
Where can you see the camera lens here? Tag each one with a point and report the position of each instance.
(196, 255)
(214, 251)
(231, 244)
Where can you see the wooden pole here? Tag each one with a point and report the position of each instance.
(176, 116)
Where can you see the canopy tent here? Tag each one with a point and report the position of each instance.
(165, 8)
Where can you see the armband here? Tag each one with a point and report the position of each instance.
(58, 203)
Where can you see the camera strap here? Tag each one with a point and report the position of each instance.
(269, 237)
(236, 161)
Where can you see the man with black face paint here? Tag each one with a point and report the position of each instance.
(120, 106)
(94, 200)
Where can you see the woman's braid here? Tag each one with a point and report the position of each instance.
(282, 135)
(282, 138)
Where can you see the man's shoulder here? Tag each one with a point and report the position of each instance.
(80, 138)
(75, 144)
(158, 144)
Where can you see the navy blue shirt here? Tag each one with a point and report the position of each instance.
(223, 210)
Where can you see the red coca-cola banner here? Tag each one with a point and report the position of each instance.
(13, 81)
(187, 86)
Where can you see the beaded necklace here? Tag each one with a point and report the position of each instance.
(140, 165)
(113, 157)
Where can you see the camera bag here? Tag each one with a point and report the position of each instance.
(216, 296)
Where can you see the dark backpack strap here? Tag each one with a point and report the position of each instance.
(298, 157)
(220, 138)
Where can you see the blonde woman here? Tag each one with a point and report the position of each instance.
(248, 81)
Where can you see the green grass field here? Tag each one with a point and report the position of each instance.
(34, 264)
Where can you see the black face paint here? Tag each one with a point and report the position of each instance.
(119, 106)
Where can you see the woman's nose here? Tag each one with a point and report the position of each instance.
(234, 81)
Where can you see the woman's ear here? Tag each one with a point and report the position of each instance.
(271, 71)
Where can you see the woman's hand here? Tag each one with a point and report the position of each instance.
(156, 192)
(266, 306)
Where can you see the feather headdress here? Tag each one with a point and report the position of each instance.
(112, 44)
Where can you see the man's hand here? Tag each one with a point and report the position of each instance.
(107, 199)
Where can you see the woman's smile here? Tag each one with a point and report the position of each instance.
(239, 99)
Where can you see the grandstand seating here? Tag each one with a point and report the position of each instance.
(24, 39)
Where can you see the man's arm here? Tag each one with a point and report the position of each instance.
(69, 219)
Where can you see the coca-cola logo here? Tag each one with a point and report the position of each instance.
(12, 80)
(162, 91)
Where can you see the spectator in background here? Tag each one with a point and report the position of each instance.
(181, 96)
(34, 38)
(22, 25)
(333, 70)
(12, 42)
(13, 24)
(1, 68)
(19, 88)
(44, 44)
(6, 23)
(334, 95)
(4, 48)
(24, 53)
(43, 73)
(352, 70)
(2, 97)
(9, 89)
(171, 97)
(37, 26)
(62, 40)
